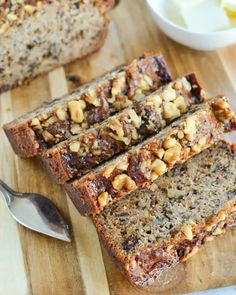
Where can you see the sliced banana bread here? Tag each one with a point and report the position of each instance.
(192, 133)
(37, 36)
(129, 127)
(154, 228)
(90, 104)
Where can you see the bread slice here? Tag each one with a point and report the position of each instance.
(92, 103)
(37, 36)
(155, 228)
(192, 133)
(129, 127)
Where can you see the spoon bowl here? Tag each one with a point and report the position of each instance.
(35, 212)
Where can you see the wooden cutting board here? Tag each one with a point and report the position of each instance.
(31, 263)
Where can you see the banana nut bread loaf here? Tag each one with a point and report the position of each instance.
(155, 228)
(81, 153)
(37, 36)
(193, 132)
(89, 104)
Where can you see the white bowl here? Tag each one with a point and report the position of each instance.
(196, 40)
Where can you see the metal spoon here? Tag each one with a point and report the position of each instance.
(35, 212)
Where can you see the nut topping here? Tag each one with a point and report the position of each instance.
(116, 126)
(177, 85)
(74, 147)
(119, 84)
(170, 111)
(135, 118)
(61, 114)
(47, 136)
(75, 129)
(170, 142)
(172, 154)
(221, 215)
(155, 100)
(180, 103)
(35, 122)
(108, 171)
(76, 108)
(222, 110)
(189, 128)
(124, 181)
(187, 230)
(91, 98)
(169, 94)
(30, 9)
(145, 82)
(159, 167)
(160, 153)
(103, 199)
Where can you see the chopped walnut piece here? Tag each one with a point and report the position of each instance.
(91, 98)
(169, 94)
(61, 114)
(75, 129)
(159, 167)
(108, 171)
(135, 118)
(103, 199)
(222, 110)
(189, 128)
(123, 165)
(35, 122)
(119, 85)
(172, 154)
(124, 181)
(145, 82)
(74, 147)
(170, 142)
(177, 85)
(76, 108)
(180, 134)
(116, 126)
(160, 153)
(155, 100)
(221, 215)
(47, 136)
(30, 9)
(180, 103)
(187, 230)
(170, 111)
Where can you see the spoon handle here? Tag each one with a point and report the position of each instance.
(7, 192)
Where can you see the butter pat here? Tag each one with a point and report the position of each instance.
(230, 4)
(230, 7)
(205, 16)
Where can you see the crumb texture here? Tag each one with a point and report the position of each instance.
(37, 36)
(180, 207)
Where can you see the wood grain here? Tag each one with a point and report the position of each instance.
(39, 265)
